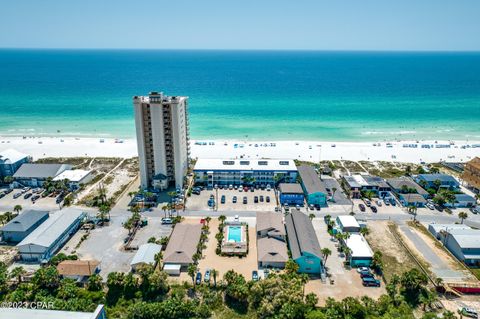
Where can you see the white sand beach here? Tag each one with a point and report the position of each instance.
(399, 151)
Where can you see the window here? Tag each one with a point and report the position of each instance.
(244, 162)
(284, 162)
(262, 163)
(228, 162)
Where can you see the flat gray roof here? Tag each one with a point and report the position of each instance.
(310, 180)
(301, 235)
(414, 198)
(290, 188)
(399, 182)
(24, 221)
(146, 254)
(28, 170)
(51, 229)
(182, 244)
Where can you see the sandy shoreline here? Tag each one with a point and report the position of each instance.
(453, 151)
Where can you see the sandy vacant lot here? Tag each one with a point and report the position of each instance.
(396, 260)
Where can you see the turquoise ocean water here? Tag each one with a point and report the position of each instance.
(337, 96)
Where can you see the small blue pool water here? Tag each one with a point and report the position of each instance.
(235, 234)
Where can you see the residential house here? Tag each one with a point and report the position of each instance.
(271, 237)
(34, 175)
(348, 224)
(75, 178)
(78, 270)
(10, 162)
(356, 184)
(303, 243)
(437, 180)
(408, 192)
(463, 201)
(182, 245)
(291, 194)
(361, 255)
(145, 256)
(313, 188)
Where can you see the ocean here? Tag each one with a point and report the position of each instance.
(270, 95)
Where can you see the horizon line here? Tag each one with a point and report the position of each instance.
(237, 49)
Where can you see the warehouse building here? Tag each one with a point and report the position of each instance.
(22, 225)
(462, 241)
(49, 237)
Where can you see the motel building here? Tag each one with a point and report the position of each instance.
(262, 172)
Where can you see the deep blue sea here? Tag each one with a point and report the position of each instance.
(335, 96)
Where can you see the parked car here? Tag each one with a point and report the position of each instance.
(28, 195)
(468, 312)
(362, 207)
(311, 207)
(393, 202)
(317, 207)
(198, 278)
(370, 282)
(267, 199)
(166, 221)
(244, 199)
(17, 195)
(277, 209)
(255, 199)
(223, 199)
(261, 198)
(430, 206)
(254, 275)
(206, 278)
(373, 208)
(236, 218)
(363, 269)
(234, 199)
(379, 202)
(268, 187)
(230, 187)
(35, 198)
(367, 202)
(252, 189)
(366, 274)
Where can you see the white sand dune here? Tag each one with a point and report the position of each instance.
(460, 151)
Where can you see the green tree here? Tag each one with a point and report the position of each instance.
(326, 252)
(18, 273)
(192, 270)
(291, 267)
(17, 208)
(311, 300)
(462, 216)
(311, 216)
(364, 231)
(95, 283)
(8, 179)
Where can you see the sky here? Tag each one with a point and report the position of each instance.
(387, 25)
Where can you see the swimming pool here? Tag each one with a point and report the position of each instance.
(235, 234)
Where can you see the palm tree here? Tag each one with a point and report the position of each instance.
(8, 216)
(222, 218)
(214, 274)
(462, 216)
(334, 189)
(427, 298)
(17, 209)
(208, 219)
(192, 269)
(311, 216)
(413, 210)
(325, 253)
(8, 179)
(165, 208)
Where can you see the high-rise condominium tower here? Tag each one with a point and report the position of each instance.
(163, 139)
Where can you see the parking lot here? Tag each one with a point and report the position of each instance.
(8, 202)
(105, 244)
(346, 282)
(200, 202)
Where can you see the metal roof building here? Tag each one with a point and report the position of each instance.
(22, 225)
(47, 238)
(400, 183)
(361, 253)
(462, 241)
(348, 223)
(145, 255)
(303, 243)
(34, 175)
(313, 188)
(10, 161)
(182, 244)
